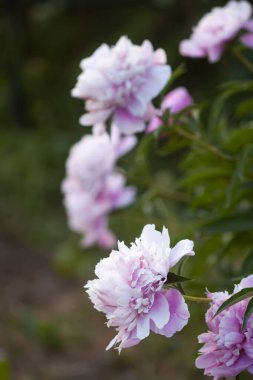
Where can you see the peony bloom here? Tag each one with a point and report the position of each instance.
(175, 101)
(216, 29)
(227, 350)
(120, 82)
(93, 187)
(129, 288)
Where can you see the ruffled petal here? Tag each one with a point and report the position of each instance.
(179, 314)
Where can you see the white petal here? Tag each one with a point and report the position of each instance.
(182, 248)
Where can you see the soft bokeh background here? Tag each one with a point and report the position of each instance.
(48, 328)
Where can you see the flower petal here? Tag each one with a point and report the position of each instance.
(247, 40)
(160, 313)
(179, 314)
(143, 327)
(181, 249)
(127, 123)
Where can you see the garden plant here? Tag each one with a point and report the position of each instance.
(203, 148)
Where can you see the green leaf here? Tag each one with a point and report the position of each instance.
(216, 112)
(235, 298)
(177, 73)
(238, 222)
(203, 174)
(244, 108)
(173, 278)
(247, 314)
(238, 175)
(174, 144)
(247, 266)
(239, 137)
(181, 265)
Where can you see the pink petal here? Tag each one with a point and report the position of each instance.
(189, 49)
(215, 53)
(207, 360)
(160, 56)
(126, 197)
(151, 235)
(156, 80)
(247, 282)
(176, 100)
(127, 123)
(159, 313)
(95, 117)
(143, 327)
(154, 124)
(181, 249)
(247, 40)
(249, 25)
(137, 106)
(122, 145)
(179, 314)
(240, 365)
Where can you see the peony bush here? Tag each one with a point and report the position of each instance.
(205, 150)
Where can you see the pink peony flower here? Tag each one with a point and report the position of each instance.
(175, 101)
(129, 288)
(216, 29)
(121, 82)
(93, 188)
(227, 350)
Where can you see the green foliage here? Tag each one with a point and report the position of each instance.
(175, 278)
(5, 373)
(247, 314)
(235, 298)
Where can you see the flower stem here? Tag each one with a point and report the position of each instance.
(243, 60)
(237, 377)
(198, 139)
(197, 299)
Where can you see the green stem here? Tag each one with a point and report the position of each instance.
(237, 377)
(199, 139)
(243, 59)
(197, 299)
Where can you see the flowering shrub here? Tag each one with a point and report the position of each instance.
(212, 140)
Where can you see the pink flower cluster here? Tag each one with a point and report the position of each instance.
(93, 187)
(129, 288)
(120, 82)
(175, 101)
(217, 28)
(227, 350)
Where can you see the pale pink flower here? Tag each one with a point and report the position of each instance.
(216, 29)
(93, 187)
(120, 82)
(129, 288)
(227, 350)
(175, 101)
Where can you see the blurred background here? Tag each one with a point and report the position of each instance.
(48, 328)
